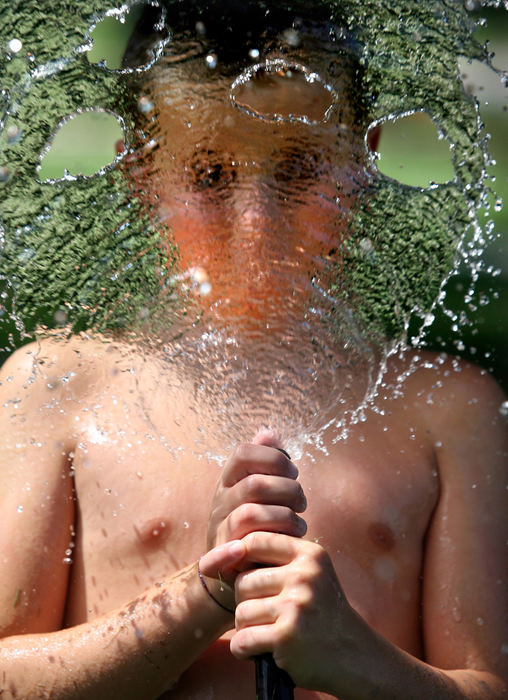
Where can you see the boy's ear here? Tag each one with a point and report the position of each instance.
(373, 137)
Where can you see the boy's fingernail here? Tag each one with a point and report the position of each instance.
(293, 471)
(302, 526)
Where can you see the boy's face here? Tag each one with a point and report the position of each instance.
(257, 207)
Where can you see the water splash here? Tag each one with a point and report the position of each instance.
(93, 253)
(318, 104)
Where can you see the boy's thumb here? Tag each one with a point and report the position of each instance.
(269, 438)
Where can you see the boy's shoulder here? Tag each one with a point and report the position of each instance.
(446, 392)
(60, 365)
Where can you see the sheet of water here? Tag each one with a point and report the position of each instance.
(243, 236)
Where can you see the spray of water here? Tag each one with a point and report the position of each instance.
(167, 268)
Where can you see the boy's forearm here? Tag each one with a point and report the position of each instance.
(378, 669)
(137, 651)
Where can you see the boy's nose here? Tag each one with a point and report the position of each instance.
(253, 207)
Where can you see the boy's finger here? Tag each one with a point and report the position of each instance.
(270, 548)
(263, 582)
(257, 459)
(252, 641)
(267, 490)
(222, 558)
(252, 517)
(269, 438)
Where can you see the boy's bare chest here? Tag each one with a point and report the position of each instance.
(144, 499)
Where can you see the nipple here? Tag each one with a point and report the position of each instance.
(382, 536)
(153, 531)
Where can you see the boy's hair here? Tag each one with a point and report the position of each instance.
(228, 26)
(231, 29)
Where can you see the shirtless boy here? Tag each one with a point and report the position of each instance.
(382, 555)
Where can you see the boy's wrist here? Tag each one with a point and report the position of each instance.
(217, 596)
(218, 591)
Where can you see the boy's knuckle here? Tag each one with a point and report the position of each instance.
(241, 453)
(253, 487)
(255, 540)
(240, 615)
(284, 631)
(242, 514)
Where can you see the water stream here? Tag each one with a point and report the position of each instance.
(243, 227)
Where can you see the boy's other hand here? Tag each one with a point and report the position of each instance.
(257, 491)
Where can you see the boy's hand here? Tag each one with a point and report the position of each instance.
(257, 491)
(293, 607)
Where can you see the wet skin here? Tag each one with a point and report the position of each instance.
(375, 505)
(403, 542)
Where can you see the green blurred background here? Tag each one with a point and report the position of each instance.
(410, 152)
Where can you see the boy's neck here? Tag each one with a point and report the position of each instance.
(295, 372)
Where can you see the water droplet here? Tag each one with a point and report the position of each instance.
(367, 246)
(19, 509)
(254, 54)
(385, 568)
(211, 60)
(15, 45)
(145, 104)
(200, 28)
(479, 621)
(13, 133)
(60, 317)
(503, 409)
(291, 37)
(186, 524)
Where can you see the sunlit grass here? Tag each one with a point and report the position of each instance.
(412, 153)
(82, 146)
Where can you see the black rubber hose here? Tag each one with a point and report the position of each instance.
(272, 683)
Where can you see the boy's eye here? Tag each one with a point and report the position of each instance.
(295, 164)
(210, 170)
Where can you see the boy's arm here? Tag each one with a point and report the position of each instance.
(465, 605)
(136, 651)
(36, 500)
